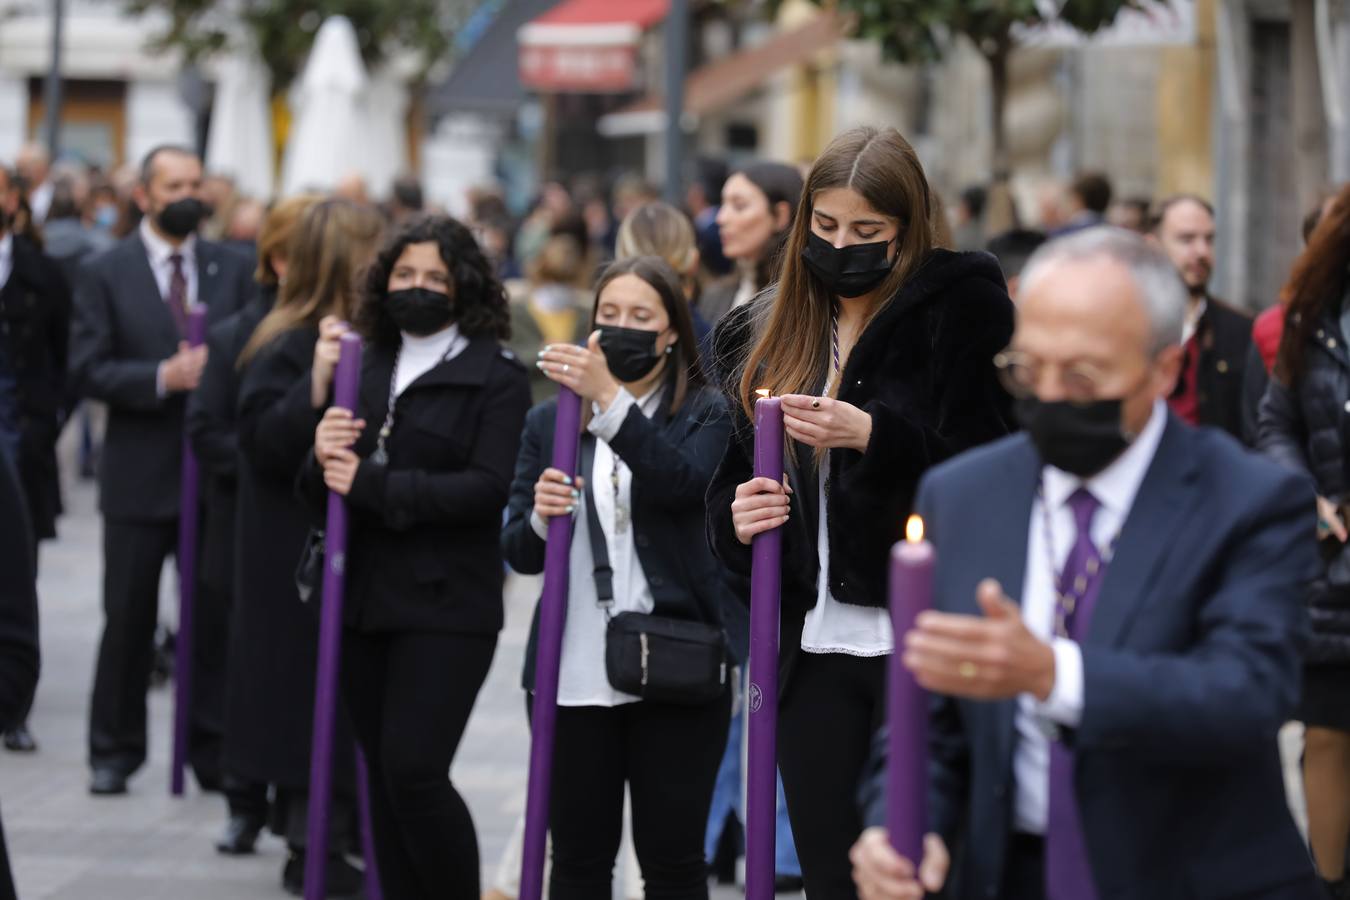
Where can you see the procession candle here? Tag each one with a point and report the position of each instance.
(913, 561)
(187, 584)
(765, 588)
(548, 655)
(346, 380)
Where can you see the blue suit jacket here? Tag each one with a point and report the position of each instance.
(1191, 665)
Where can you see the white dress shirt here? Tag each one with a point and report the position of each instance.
(1115, 488)
(6, 258)
(160, 253)
(421, 354)
(582, 679)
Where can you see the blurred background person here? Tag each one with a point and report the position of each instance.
(1130, 213)
(1302, 426)
(549, 307)
(659, 229)
(1084, 203)
(68, 240)
(220, 196)
(703, 199)
(967, 219)
(1012, 249)
(33, 165)
(406, 201)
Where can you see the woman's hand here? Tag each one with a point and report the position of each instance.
(882, 874)
(1329, 521)
(336, 433)
(761, 504)
(826, 423)
(340, 471)
(326, 352)
(583, 369)
(555, 495)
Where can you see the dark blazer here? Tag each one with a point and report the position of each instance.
(212, 426)
(121, 332)
(1190, 667)
(715, 301)
(19, 657)
(35, 328)
(423, 550)
(1225, 336)
(924, 370)
(672, 457)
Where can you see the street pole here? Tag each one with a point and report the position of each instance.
(51, 93)
(677, 51)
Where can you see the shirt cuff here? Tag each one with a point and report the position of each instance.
(539, 525)
(606, 425)
(160, 390)
(1064, 706)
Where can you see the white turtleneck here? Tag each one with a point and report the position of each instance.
(421, 354)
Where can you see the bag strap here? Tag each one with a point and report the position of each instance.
(604, 573)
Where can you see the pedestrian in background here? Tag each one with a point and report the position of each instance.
(549, 307)
(425, 467)
(653, 434)
(1303, 425)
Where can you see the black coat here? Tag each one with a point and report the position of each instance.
(924, 370)
(1225, 336)
(19, 657)
(423, 550)
(1305, 427)
(672, 458)
(121, 332)
(212, 414)
(269, 700)
(35, 328)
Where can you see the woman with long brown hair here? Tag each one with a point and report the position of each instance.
(272, 678)
(881, 346)
(1303, 422)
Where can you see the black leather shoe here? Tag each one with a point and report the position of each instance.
(107, 783)
(788, 884)
(240, 836)
(343, 879)
(20, 740)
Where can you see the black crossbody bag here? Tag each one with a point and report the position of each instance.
(657, 658)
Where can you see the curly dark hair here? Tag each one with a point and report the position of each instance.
(479, 299)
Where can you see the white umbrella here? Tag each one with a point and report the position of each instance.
(387, 134)
(240, 141)
(328, 128)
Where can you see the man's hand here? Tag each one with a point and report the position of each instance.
(183, 371)
(882, 874)
(340, 471)
(990, 658)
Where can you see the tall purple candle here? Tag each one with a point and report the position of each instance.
(912, 563)
(187, 584)
(548, 657)
(346, 380)
(765, 596)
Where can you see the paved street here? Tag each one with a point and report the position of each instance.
(67, 845)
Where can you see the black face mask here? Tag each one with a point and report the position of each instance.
(1081, 439)
(848, 271)
(419, 311)
(630, 353)
(181, 217)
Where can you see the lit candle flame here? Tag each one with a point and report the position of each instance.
(763, 392)
(914, 529)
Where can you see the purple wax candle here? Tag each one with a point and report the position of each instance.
(187, 584)
(346, 381)
(548, 657)
(765, 596)
(913, 561)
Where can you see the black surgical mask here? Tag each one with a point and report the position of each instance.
(420, 311)
(1079, 438)
(630, 353)
(848, 271)
(181, 217)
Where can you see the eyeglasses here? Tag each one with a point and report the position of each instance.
(1021, 374)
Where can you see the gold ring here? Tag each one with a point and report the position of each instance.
(968, 670)
(815, 404)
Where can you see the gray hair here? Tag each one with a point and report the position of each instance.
(1161, 289)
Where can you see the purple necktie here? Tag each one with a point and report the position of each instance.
(177, 298)
(1068, 874)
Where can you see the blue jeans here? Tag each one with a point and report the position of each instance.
(728, 797)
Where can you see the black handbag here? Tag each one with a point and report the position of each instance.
(657, 658)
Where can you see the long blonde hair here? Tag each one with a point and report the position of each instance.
(791, 350)
(275, 236)
(331, 245)
(659, 229)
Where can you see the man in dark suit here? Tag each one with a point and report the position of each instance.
(1216, 338)
(1111, 731)
(128, 349)
(34, 339)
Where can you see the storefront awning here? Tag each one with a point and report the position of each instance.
(586, 46)
(722, 82)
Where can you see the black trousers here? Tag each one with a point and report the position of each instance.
(1024, 871)
(133, 559)
(832, 708)
(409, 696)
(668, 756)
